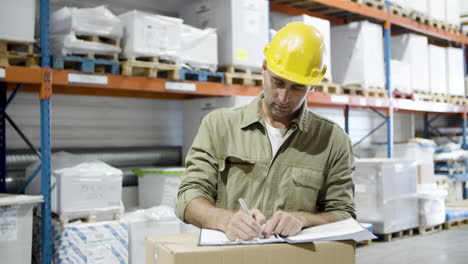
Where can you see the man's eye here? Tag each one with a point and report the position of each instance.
(277, 82)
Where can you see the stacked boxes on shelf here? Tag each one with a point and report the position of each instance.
(400, 76)
(455, 71)
(23, 29)
(413, 49)
(452, 14)
(242, 28)
(419, 7)
(199, 48)
(436, 12)
(358, 57)
(386, 194)
(437, 70)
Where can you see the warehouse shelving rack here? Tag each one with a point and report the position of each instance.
(41, 80)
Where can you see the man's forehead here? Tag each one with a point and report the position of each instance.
(283, 79)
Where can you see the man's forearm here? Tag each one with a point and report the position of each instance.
(309, 219)
(202, 213)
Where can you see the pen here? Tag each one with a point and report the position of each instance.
(244, 207)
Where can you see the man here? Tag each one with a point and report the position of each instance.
(292, 166)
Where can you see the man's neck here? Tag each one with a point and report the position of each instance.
(276, 122)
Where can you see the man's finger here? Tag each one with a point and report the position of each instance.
(250, 225)
(271, 225)
(259, 217)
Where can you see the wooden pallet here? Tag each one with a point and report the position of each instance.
(399, 10)
(99, 39)
(455, 223)
(427, 230)
(201, 76)
(440, 98)
(358, 89)
(399, 234)
(85, 64)
(437, 24)
(418, 17)
(422, 96)
(16, 46)
(88, 216)
(401, 95)
(235, 75)
(328, 87)
(458, 99)
(453, 28)
(15, 53)
(379, 4)
(152, 67)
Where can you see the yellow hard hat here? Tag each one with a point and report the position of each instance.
(297, 53)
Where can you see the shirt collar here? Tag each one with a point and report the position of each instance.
(253, 114)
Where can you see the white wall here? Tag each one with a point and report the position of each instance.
(92, 121)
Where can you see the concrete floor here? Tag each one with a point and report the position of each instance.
(447, 246)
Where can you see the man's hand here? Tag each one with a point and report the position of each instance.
(284, 224)
(245, 227)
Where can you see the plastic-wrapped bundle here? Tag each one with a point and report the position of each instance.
(199, 47)
(386, 194)
(149, 35)
(431, 205)
(69, 22)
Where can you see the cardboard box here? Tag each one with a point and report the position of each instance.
(400, 76)
(455, 71)
(413, 49)
(437, 70)
(426, 173)
(452, 12)
(242, 28)
(420, 6)
(358, 55)
(17, 18)
(436, 9)
(183, 249)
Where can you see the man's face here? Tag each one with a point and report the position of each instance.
(283, 98)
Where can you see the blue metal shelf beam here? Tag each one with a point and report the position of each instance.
(3, 104)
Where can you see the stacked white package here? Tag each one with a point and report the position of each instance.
(452, 12)
(196, 109)
(420, 6)
(386, 194)
(80, 186)
(401, 3)
(153, 221)
(85, 243)
(23, 13)
(417, 149)
(199, 48)
(16, 227)
(158, 186)
(413, 49)
(322, 25)
(437, 70)
(400, 76)
(358, 56)
(431, 205)
(436, 9)
(69, 22)
(151, 35)
(242, 28)
(463, 8)
(455, 71)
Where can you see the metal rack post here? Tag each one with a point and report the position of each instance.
(388, 86)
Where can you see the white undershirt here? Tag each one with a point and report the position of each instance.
(276, 136)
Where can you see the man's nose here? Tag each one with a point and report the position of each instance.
(283, 96)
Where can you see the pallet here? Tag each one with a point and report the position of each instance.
(455, 223)
(458, 99)
(398, 10)
(99, 39)
(358, 89)
(235, 75)
(85, 64)
(16, 53)
(427, 230)
(439, 98)
(399, 234)
(437, 24)
(7, 46)
(201, 76)
(453, 28)
(379, 4)
(400, 95)
(328, 87)
(422, 96)
(88, 216)
(419, 17)
(152, 67)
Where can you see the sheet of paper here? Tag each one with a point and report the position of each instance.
(340, 228)
(209, 237)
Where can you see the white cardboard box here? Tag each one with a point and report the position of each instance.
(414, 50)
(242, 28)
(196, 109)
(419, 6)
(16, 227)
(386, 194)
(455, 71)
(437, 70)
(358, 56)
(199, 47)
(452, 11)
(323, 26)
(436, 9)
(431, 205)
(400, 76)
(17, 20)
(158, 186)
(151, 35)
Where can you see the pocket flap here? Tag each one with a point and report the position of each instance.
(306, 177)
(231, 159)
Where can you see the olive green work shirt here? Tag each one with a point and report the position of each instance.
(231, 157)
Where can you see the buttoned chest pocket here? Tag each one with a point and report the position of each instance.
(305, 185)
(234, 181)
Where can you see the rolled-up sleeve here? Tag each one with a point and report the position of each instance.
(201, 169)
(338, 193)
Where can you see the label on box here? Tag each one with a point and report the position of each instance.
(241, 55)
(87, 78)
(181, 86)
(340, 99)
(2, 73)
(8, 223)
